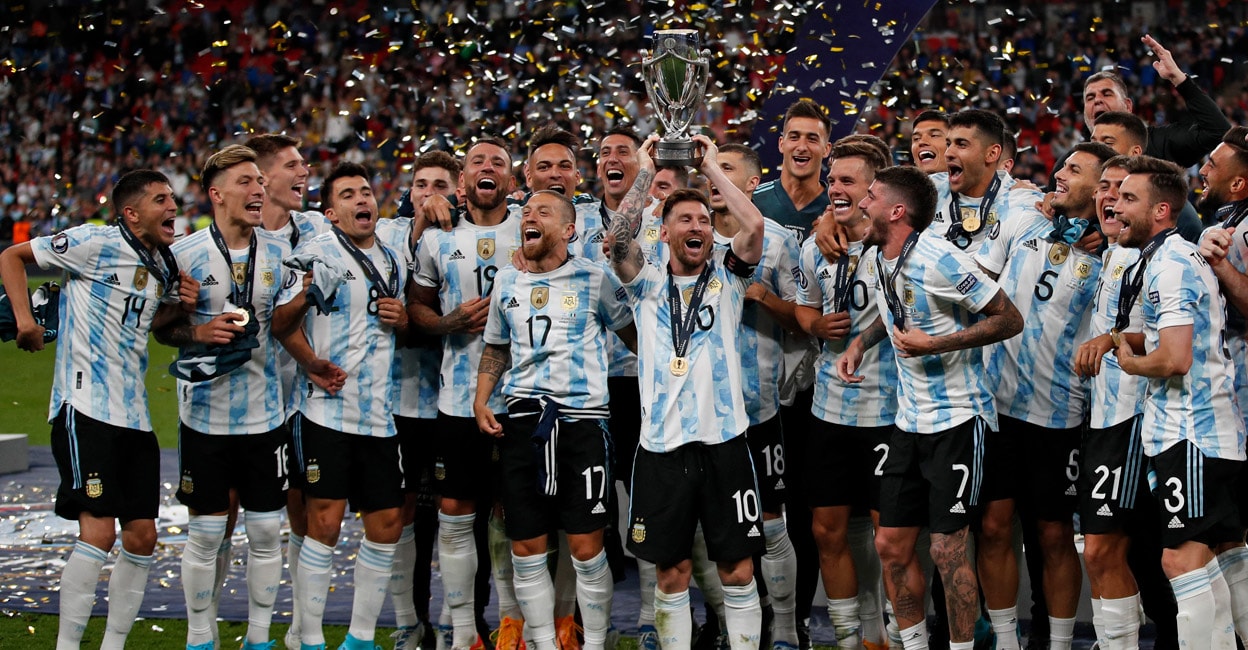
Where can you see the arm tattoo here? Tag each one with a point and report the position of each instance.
(628, 220)
(874, 333)
(177, 334)
(1002, 322)
(494, 361)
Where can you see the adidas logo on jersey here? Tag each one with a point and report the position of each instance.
(1104, 511)
(456, 255)
(1071, 491)
(209, 282)
(779, 484)
(958, 509)
(113, 280)
(598, 509)
(754, 532)
(824, 274)
(1031, 244)
(1175, 523)
(512, 304)
(598, 239)
(348, 275)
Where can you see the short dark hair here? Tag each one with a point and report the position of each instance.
(682, 195)
(489, 139)
(1134, 127)
(1111, 76)
(869, 148)
(987, 123)
(341, 170)
(682, 173)
(1237, 139)
(566, 209)
(1166, 183)
(1102, 151)
(552, 134)
(931, 115)
(438, 158)
(747, 153)
(626, 131)
(133, 185)
(914, 190)
(1009, 145)
(1119, 161)
(223, 160)
(808, 108)
(266, 145)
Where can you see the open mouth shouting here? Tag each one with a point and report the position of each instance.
(363, 218)
(955, 171)
(167, 227)
(253, 209)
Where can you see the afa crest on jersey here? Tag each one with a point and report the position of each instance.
(569, 302)
(266, 276)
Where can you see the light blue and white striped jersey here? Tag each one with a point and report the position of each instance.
(1052, 285)
(998, 211)
(942, 290)
(419, 358)
(1180, 289)
(106, 314)
(1115, 396)
(249, 399)
(462, 265)
(556, 325)
(308, 224)
(872, 403)
(705, 404)
(1237, 344)
(353, 338)
(762, 338)
(591, 230)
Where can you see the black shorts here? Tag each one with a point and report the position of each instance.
(841, 461)
(933, 479)
(209, 466)
(1111, 477)
(106, 470)
(416, 443)
(1036, 466)
(766, 442)
(294, 457)
(364, 470)
(465, 465)
(1196, 497)
(696, 483)
(625, 423)
(582, 477)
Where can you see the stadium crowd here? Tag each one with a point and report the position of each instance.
(935, 344)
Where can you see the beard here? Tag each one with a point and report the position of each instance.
(877, 235)
(474, 197)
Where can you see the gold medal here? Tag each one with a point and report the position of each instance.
(246, 316)
(970, 223)
(679, 366)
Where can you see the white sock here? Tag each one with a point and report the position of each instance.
(565, 579)
(199, 575)
(1194, 597)
(594, 589)
(1061, 633)
(648, 576)
(372, 583)
(1122, 622)
(457, 557)
(264, 571)
(402, 578)
(125, 597)
(915, 637)
(500, 567)
(843, 612)
(222, 572)
(1223, 620)
(966, 645)
(1234, 564)
(1005, 627)
(779, 567)
(77, 594)
(1098, 621)
(294, 546)
(536, 595)
(706, 575)
(743, 615)
(870, 585)
(672, 620)
(892, 626)
(315, 561)
(442, 639)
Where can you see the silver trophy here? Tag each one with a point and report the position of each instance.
(676, 79)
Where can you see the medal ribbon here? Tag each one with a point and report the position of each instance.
(239, 295)
(1131, 288)
(168, 275)
(682, 327)
(1232, 214)
(956, 232)
(388, 288)
(890, 288)
(844, 281)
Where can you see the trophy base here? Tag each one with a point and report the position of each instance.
(671, 154)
